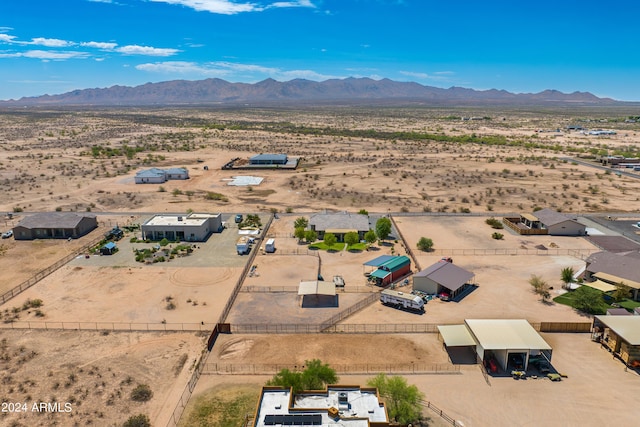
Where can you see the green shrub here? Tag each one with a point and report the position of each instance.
(141, 393)
(494, 223)
(497, 236)
(140, 420)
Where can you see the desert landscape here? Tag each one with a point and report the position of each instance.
(438, 172)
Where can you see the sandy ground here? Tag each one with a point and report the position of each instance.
(578, 400)
(46, 163)
(95, 373)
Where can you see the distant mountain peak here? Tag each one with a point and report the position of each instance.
(268, 91)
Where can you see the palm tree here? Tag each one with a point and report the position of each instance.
(566, 275)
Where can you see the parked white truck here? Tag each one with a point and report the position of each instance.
(401, 300)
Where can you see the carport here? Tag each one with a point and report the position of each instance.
(504, 339)
(459, 343)
(318, 293)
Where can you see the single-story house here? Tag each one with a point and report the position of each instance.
(54, 225)
(159, 176)
(621, 334)
(339, 224)
(391, 271)
(194, 227)
(109, 248)
(442, 277)
(604, 270)
(269, 159)
(338, 405)
(500, 341)
(546, 221)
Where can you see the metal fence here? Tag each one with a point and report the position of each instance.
(350, 311)
(345, 369)
(578, 253)
(188, 390)
(109, 326)
(294, 289)
(46, 272)
(407, 248)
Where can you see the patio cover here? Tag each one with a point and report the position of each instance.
(627, 327)
(456, 335)
(612, 278)
(530, 217)
(600, 285)
(317, 287)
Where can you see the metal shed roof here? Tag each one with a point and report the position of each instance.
(53, 220)
(447, 274)
(380, 274)
(396, 263)
(456, 335)
(269, 157)
(377, 262)
(316, 287)
(627, 327)
(506, 334)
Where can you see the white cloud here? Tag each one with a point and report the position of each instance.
(10, 55)
(416, 75)
(49, 54)
(223, 7)
(100, 45)
(41, 41)
(6, 38)
(243, 72)
(146, 50)
(229, 7)
(298, 3)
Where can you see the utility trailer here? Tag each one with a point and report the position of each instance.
(398, 299)
(244, 245)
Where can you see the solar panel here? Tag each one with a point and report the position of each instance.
(293, 420)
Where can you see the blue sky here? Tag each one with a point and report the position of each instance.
(55, 46)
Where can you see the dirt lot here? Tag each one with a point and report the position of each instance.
(95, 373)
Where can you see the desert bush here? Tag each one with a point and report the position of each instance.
(140, 420)
(141, 393)
(497, 236)
(494, 223)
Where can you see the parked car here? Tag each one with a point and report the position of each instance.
(7, 234)
(239, 218)
(541, 364)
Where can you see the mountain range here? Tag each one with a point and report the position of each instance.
(269, 92)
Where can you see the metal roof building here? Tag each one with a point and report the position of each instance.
(268, 159)
(497, 339)
(442, 277)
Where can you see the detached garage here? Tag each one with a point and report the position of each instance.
(442, 277)
(499, 341)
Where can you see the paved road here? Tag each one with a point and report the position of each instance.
(604, 168)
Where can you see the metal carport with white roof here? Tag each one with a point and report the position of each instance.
(497, 338)
(503, 337)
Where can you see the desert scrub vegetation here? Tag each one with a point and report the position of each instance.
(494, 223)
(141, 393)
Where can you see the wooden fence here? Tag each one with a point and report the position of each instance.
(566, 327)
(512, 223)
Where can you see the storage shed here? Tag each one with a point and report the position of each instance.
(108, 249)
(442, 277)
(391, 270)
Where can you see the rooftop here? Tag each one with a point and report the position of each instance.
(53, 220)
(623, 264)
(627, 327)
(269, 157)
(362, 406)
(510, 334)
(550, 217)
(340, 221)
(447, 274)
(193, 219)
